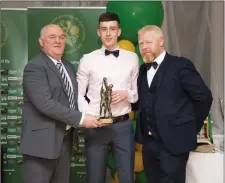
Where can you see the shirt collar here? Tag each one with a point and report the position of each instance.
(54, 60)
(160, 58)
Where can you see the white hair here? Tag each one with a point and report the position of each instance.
(151, 28)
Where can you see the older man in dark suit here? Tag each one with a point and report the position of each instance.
(50, 111)
(173, 104)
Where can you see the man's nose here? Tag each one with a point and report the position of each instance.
(108, 32)
(144, 46)
(57, 39)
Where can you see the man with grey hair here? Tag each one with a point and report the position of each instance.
(173, 104)
(50, 111)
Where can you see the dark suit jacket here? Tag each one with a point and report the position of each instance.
(46, 109)
(182, 103)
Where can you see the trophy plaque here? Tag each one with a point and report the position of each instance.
(106, 99)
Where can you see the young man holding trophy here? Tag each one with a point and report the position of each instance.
(108, 77)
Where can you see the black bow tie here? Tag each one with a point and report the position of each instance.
(152, 64)
(115, 52)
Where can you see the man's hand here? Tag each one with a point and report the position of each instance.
(118, 96)
(91, 122)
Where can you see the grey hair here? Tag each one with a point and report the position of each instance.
(42, 32)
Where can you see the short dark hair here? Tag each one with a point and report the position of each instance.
(109, 16)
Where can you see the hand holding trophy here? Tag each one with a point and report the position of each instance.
(106, 99)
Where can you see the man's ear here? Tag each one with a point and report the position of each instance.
(161, 41)
(119, 32)
(41, 42)
(98, 32)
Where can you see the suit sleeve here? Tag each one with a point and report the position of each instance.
(138, 137)
(36, 87)
(197, 90)
(139, 131)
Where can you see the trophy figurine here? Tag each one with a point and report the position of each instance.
(106, 99)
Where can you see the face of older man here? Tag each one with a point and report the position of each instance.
(52, 41)
(150, 45)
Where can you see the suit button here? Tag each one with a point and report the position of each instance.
(149, 133)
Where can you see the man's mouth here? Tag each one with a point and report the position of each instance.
(146, 53)
(108, 39)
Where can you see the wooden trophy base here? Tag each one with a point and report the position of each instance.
(106, 121)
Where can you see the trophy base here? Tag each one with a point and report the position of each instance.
(106, 120)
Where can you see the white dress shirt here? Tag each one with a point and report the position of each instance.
(121, 71)
(70, 82)
(151, 72)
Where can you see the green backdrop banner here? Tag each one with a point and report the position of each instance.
(20, 30)
(13, 59)
(13, 38)
(80, 26)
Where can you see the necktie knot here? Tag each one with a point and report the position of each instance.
(58, 65)
(114, 52)
(152, 64)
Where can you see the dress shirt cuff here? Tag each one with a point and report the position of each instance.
(132, 97)
(82, 119)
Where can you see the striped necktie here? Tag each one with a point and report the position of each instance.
(69, 89)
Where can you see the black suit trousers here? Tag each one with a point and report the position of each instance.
(160, 165)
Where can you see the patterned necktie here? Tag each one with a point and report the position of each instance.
(69, 89)
(115, 52)
(152, 64)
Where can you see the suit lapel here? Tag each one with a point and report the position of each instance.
(143, 82)
(158, 78)
(69, 71)
(162, 70)
(54, 69)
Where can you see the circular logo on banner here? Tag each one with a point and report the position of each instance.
(74, 31)
(4, 33)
